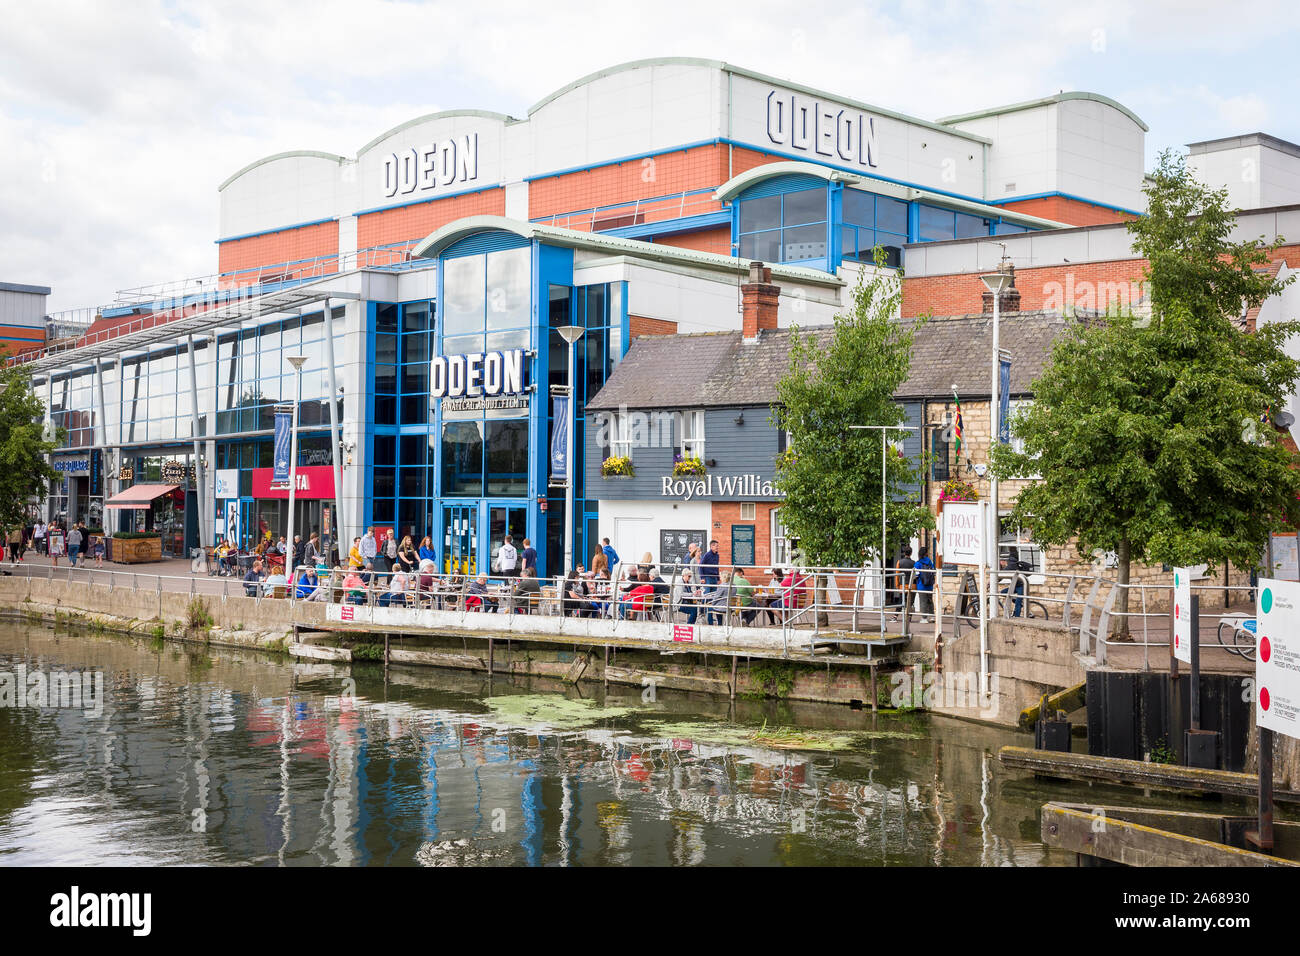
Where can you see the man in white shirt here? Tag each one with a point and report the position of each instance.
(38, 537)
(368, 547)
(508, 557)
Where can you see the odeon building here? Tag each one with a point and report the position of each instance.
(422, 282)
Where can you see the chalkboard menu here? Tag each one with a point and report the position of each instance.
(742, 545)
(674, 546)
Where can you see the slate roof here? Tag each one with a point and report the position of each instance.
(719, 369)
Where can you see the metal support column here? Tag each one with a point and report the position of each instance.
(205, 524)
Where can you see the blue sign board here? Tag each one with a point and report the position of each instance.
(280, 466)
(1004, 399)
(560, 436)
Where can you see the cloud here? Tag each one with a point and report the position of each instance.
(120, 120)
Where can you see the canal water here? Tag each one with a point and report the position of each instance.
(207, 756)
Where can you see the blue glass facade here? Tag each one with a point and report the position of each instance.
(467, 472)
(808, 221)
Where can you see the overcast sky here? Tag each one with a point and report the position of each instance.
(119, 120)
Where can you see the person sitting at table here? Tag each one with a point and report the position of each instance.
(639, 594)
(478, 597)
(744, 592)
(396, 593)
(253, 579)
(526, 592)
(686, 596)
(574, 602)
(426, 578)
(308, 586)
(355, 588)
(794, 591)
(273, 581)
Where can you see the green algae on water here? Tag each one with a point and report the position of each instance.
(551, 711)
(777, 738)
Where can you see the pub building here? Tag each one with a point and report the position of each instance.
(422, 282)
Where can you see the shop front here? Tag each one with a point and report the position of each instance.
(78, 494)
(247, 519)
(157, 496)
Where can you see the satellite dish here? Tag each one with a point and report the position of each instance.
(1283, 419)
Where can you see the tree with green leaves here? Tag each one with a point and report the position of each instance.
(1145, 429)
(830, 474)
(25, 471)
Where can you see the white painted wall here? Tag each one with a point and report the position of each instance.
(641, 522)
(1256, 175)
(26, 309)
(285, 191)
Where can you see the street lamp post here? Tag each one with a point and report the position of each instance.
(884, 446)
(297, 362)
(571, 334)
(995, 282)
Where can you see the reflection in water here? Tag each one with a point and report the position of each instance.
(230, 757)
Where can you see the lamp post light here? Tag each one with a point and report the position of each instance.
(571, 334)
(884, 447)
(995, 282)
(297, 362)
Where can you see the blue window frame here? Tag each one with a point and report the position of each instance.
(785, 227)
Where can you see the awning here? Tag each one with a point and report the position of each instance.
(137, 497)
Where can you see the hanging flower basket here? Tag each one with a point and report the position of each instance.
(616, 466)
(954, 489)
(688, 467)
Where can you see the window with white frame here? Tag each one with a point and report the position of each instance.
(1014, 407)
(780, 544)
(692, 437)
(620, 435)
(1016, 542)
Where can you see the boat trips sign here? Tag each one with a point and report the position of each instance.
(1277, 657)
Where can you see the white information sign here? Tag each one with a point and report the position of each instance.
(1286, 562)
(962, 532)
(227, 483)
(1183, 614)
(1277, 657)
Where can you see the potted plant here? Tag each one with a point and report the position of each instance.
(954, 489)
(134, 547)
(616, 466)
(687, 467)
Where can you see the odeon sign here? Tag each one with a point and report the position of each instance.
(422, 168)
(822, 128)
(477, 374)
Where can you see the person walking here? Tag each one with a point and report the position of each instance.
(611, 556)
(924, 569)
(74, 543)
(38, 537)
(529, 557)
(369, 547)
(15, 542)
(507, 558)
(903, 579)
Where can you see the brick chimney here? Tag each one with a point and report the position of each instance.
(758, 301)
(1010, 301)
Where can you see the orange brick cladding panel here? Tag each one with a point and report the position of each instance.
(706, 240)
(417, 221)
(1071, 211)
(640, 325)
(727, 513)
(274, 248)
(1076, 285)
(667, 174)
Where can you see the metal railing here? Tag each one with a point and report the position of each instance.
(635, 212)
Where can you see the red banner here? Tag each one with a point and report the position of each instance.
(314, 481)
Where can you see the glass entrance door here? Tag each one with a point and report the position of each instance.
(506, 520)
(460, 539)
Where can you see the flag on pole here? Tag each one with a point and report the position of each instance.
(956, 431)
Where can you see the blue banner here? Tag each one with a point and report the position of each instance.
(283, 425)
(1004, 399)
(560, 437)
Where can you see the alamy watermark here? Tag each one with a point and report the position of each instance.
(944, 689)
(65, 690)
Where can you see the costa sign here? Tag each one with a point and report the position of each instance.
(477, 374)
(313, 481)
